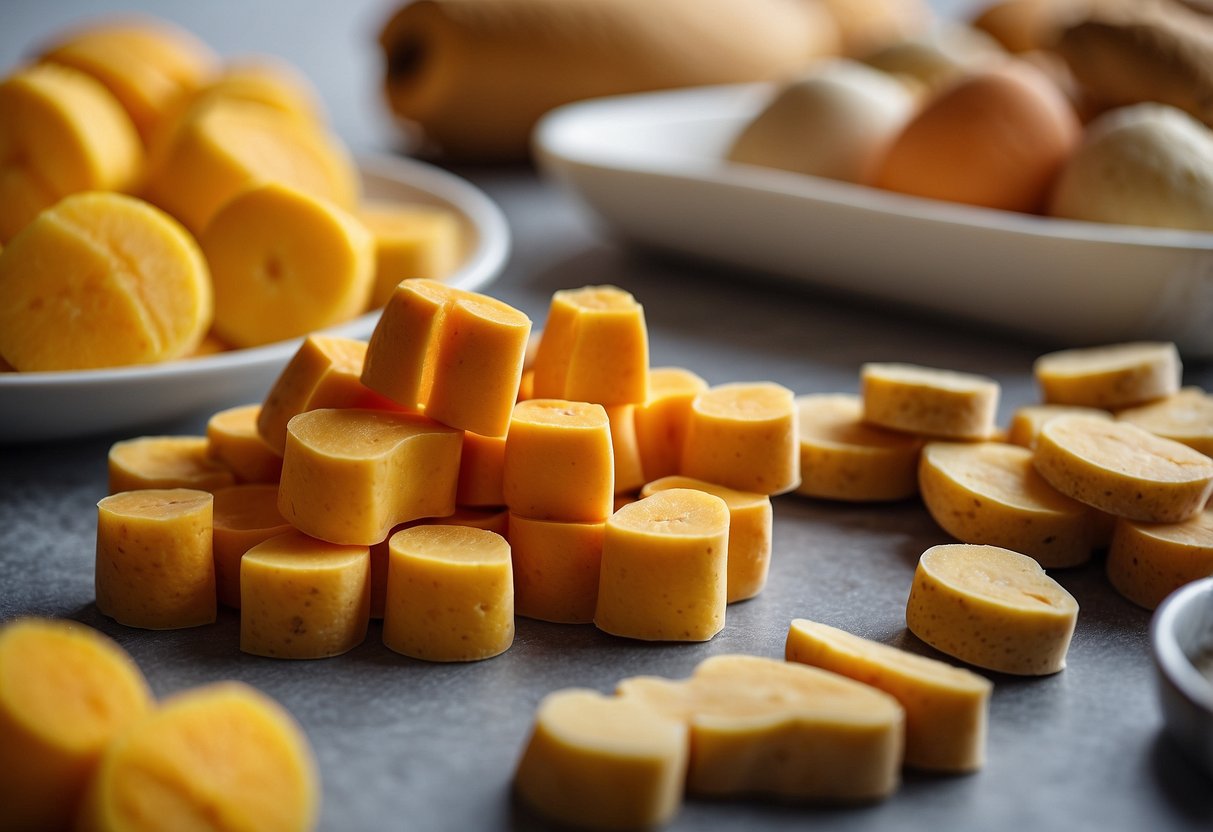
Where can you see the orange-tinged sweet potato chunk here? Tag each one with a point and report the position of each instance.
(224, 755)
(101, 280)
(66, 691)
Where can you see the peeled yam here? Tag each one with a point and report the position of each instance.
(476, 75)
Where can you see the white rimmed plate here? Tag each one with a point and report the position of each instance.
(62, 405)
(653, 167)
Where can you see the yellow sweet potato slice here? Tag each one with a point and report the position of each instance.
(224, 756)
(665, 568)
(148, 65)
(66, 692)
(60, 132)
(284, 263)
(751, 521)
(558, 461)
(230, 145)
(599, 762)
(302, 598)
(946, 707)
(155, 560)
(450, 594)
(595, 348)
(165, 462)
(350, 476)
(101, 280)
(410, 241)
(744, 436)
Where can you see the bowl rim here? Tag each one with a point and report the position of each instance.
(1176, 665)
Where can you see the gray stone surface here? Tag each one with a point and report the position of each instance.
(404, 744)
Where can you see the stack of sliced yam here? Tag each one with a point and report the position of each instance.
(455, 472)
(374, 473)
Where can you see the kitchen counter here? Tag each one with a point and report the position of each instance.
(406, 744)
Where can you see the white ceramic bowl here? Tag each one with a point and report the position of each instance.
(62, 405)
(1182, 629)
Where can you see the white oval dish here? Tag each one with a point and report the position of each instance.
(62, 405)
(653, 166)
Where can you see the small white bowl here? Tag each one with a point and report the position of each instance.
(1182, 630)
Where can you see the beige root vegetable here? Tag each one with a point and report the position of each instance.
(1149, 164)
(836, 122)
(865, 25)
(477, 75)
(991, 607)
(1026, 25)
(946, 707)
(988, 492)
(842, 458)
(1027, 421)
(1113, 376)
(765, 727)
(1149, 561)
(600, 762)
(1121, 469)
(927, 401)
(938, 56)
(1146, 50)
(1186, 417)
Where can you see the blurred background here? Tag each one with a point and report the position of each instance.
(333, 43)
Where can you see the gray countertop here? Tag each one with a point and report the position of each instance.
(405, 744)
